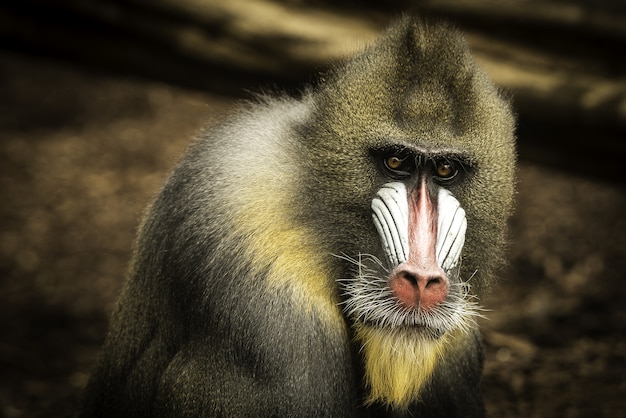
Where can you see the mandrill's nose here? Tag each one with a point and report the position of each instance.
(419, 287)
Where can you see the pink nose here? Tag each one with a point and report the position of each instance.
(417, 287)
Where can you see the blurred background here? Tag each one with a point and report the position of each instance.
(99, 99)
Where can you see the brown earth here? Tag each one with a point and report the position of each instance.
(82, 154)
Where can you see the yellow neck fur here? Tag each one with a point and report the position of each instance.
(397, 364)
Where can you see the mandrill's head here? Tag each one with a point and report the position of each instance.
(412, 152)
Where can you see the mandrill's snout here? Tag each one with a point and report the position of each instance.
(423, 236)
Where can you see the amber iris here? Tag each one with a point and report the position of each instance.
(445, 170)
(394, 163)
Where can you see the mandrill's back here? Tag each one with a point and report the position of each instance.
(279, 271)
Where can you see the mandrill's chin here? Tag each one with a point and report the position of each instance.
(398, 362)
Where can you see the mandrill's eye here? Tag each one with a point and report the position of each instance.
(393, 163)
(399, 166)
(445, 171)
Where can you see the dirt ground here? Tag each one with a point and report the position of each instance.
(82, 154)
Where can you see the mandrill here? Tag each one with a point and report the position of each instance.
(323, 256)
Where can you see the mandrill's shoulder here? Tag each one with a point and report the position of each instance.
(257, 147)
(258, 125)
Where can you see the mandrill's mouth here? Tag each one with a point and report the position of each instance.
(415, 331)
(369, 300)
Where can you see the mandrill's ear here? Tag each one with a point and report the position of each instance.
(401, 163)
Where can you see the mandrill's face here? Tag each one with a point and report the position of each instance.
(415, 284)
(406, 299)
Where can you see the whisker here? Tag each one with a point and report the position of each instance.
(367, 298)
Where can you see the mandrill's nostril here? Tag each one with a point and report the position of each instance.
(434, 281)
(411, 278)
(421, 281)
